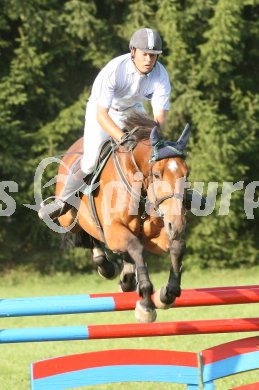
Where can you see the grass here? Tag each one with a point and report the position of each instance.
(16, 358)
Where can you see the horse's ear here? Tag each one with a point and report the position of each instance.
(154, 136)
(184, 138)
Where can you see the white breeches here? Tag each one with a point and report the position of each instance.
(94, 135)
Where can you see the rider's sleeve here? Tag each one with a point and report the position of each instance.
(104, 87)
(162, 89)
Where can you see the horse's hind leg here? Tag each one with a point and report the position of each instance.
(165, 297)
(128, 280)
(107, 269)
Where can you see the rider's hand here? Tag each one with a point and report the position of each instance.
(128, 141)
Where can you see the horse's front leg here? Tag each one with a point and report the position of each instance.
(165, 297)
(128, 281)
(145, 308)
(125, 241)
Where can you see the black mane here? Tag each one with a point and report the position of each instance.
(144, 123)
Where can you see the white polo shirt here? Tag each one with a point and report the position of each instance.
(120, 86)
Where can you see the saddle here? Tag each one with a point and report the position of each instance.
(103, 154)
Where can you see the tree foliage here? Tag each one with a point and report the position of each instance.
(51, 52)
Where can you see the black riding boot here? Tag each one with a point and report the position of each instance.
(61, 205)
(195, 200)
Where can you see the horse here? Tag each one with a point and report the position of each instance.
(138, 204)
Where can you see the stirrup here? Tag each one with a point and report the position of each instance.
(53, 210)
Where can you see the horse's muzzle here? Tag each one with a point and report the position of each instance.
(175, 229)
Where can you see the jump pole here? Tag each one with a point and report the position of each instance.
(92, 332)
(108, 302)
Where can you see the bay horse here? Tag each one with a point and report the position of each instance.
(138, 205)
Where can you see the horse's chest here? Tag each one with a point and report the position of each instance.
(133, 225)
(152, 227)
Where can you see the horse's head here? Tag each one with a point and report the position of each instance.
(163, 166)
(167, 180)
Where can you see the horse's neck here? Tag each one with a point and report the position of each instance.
(142, 154)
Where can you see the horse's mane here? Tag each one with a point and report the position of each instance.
(144, 123)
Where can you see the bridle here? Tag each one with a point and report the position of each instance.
(157, 202)
(154, 205)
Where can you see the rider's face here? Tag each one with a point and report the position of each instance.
(144, 61)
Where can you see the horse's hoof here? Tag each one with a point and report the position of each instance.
(128, 283)
(128, 278)
(112, 275)
(144, 315)
(159, 304)
(122, 289)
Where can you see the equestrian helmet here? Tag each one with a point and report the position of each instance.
(147, 40)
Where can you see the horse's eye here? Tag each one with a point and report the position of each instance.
(157, 175)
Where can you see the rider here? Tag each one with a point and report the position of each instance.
(120, 87)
